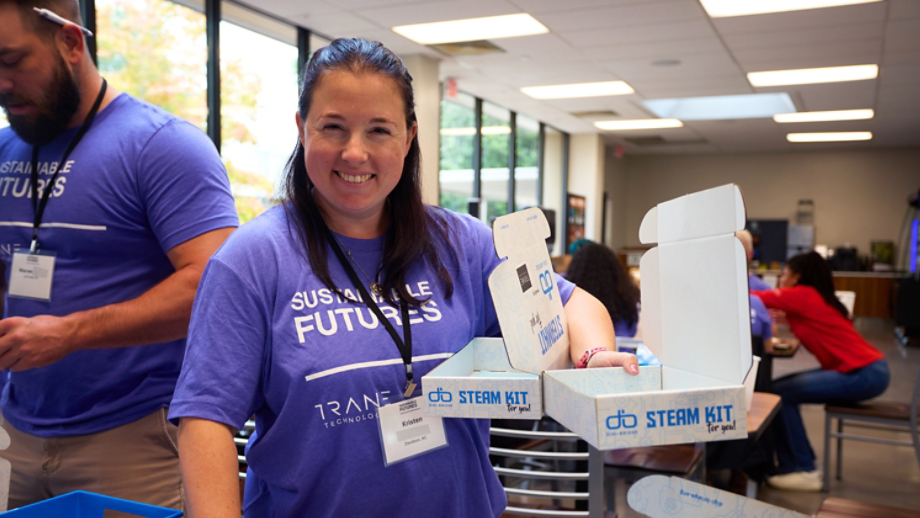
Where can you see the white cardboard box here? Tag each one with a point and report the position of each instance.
(492, 377)
(695, 319)
(658, 496)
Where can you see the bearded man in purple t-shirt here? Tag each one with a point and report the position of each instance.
(109, 210)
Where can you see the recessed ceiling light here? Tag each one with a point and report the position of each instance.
(841, 115)
(472, 29)
(721, 107)
(638, 124)
(469, 130)
(724, 8)
(837, 136)
(578, 90)
(806, 76)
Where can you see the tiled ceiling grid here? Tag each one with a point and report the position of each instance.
(603, 40)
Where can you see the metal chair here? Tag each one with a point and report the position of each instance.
(539, 458)
(878, 415)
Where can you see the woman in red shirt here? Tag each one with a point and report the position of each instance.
(851, 369)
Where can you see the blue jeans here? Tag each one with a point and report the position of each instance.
(793, 451)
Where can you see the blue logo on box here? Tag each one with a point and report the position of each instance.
(622, 420)
(440, 396)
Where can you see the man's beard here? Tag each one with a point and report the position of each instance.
(55, 108)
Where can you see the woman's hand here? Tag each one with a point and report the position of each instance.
(614, 359)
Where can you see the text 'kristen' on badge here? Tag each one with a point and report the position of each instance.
(31, 274)
(406, 432)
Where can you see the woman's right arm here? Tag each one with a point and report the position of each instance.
(210, 468)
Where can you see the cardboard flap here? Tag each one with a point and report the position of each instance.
(650, 293)
(658, 496)
(526, 297)
(706, 213)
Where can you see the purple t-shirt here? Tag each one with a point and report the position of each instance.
(139, 183)
(268, 339)
(755, 283)
(761, 323)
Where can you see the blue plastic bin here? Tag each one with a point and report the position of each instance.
(83, 504)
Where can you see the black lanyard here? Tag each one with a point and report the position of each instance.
(38, 209)
(405, 348)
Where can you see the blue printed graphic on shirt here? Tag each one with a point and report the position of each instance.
(268, 339)
(139, 183)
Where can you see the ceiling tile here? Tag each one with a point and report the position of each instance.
(664, 49)
(287, 8)
(547, 6)
(805, 37)
(638, 34)
(903, 35)
(543, 48)
(820, 55)
(720, 64)
(835, 96)
(903, 9)
(895, 75)
(336, 24)
(626, 15)
(350, 5)
(811, 18)
(437, 11)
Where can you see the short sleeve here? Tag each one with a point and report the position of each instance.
(228, 333)
(184, 185)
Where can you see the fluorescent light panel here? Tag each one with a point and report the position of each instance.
(469, 130)
(807, 76)
(840, 115)
(573, 90)
(723, 107)
(725, 8)
(472, 29)
(638, 124)
(837, 136)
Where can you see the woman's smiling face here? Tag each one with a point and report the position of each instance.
(355, 141)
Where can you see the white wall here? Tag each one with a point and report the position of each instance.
(586, 178)
(427, 89)
(859, 196)
(615, 186)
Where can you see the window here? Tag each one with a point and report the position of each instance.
(258, 96)
(458, 129)
(496, 143)
(155, 50)
(526, 174)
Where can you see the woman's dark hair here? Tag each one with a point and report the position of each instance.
(412, 229)
(814, 271)
(597, 270)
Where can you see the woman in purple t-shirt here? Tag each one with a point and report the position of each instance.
(280, 329)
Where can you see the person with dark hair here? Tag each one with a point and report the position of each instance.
(851, 369)
(333, 305)
(597, 270)
(111, 207)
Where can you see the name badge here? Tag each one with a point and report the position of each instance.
(31, 275)
(406, 432)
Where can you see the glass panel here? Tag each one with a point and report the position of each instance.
(496, 139)
(258, 96)
(552, 184)
(458, 129)
(527, 137)
(317, 42)
(155, 50)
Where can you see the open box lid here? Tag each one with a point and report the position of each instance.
(527, 300)
(695, 299)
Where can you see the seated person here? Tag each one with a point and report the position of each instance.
(597, 270)
(851, 369)
(755, 283)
